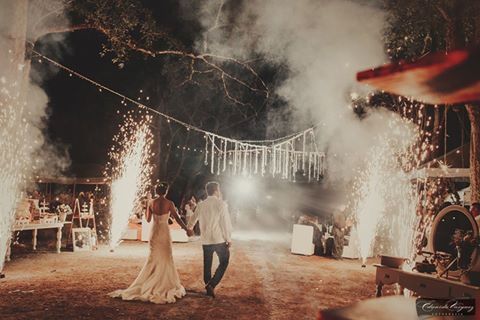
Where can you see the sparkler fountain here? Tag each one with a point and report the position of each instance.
(14, 148)
(131, 170)
(385, 196)
(371, 205)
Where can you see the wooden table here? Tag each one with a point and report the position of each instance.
(423, 284)
(384, 308)
(35, 227)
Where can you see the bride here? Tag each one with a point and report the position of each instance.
(158, 281)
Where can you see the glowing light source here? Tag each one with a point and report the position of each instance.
(385, 197)
(243, 187)
(131, 172)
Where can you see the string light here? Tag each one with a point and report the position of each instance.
(168, 118)
(282, 161)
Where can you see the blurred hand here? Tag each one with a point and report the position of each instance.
(229, 244)
(190, 232)
(349, 222)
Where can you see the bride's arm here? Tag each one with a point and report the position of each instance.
(149, 211)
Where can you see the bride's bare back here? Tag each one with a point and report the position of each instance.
(161, 206)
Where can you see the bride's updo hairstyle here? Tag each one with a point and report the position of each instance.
(162, 188)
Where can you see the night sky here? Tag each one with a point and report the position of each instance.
(84, 120)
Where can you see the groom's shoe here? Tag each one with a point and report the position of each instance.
(210, 291)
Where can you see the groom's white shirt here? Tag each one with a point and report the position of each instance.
(215, 224)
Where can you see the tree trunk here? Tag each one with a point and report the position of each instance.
(474, 116)
(437, 132)
(13, 33)
(456, 39)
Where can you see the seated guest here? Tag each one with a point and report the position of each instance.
(189, 207)
(338, 231)
(310, 220)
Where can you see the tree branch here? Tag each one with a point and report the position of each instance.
(214, 26)
(443, 13)
(206, 58)
(64, 29)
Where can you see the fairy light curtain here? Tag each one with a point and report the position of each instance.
(280, 158)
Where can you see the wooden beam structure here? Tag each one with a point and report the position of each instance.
(438, 78)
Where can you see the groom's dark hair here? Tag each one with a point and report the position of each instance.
(211, 187)
(162, 188)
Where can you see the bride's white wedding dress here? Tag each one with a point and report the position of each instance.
(158, 281)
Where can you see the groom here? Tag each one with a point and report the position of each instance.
(215, 231)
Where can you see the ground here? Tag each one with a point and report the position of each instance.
(264, 281)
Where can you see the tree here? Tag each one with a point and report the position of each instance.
(129, 28)
(418, 27)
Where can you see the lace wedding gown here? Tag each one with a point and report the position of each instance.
(158, 281)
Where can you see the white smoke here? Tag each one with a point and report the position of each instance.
(22, 108)
(49, 158)
(322, 44)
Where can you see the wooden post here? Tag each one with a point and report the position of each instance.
(34, 239)
(59, 239)
(378, 291)
(474, 116)
(9, 248)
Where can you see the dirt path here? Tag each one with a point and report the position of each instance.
(264, 281)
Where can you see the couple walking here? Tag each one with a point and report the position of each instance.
(158, 281)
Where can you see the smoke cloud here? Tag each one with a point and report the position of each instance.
(322, 44)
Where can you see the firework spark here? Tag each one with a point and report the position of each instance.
(385, 197)
(130, 171)
(371, 205)
(14, 148)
